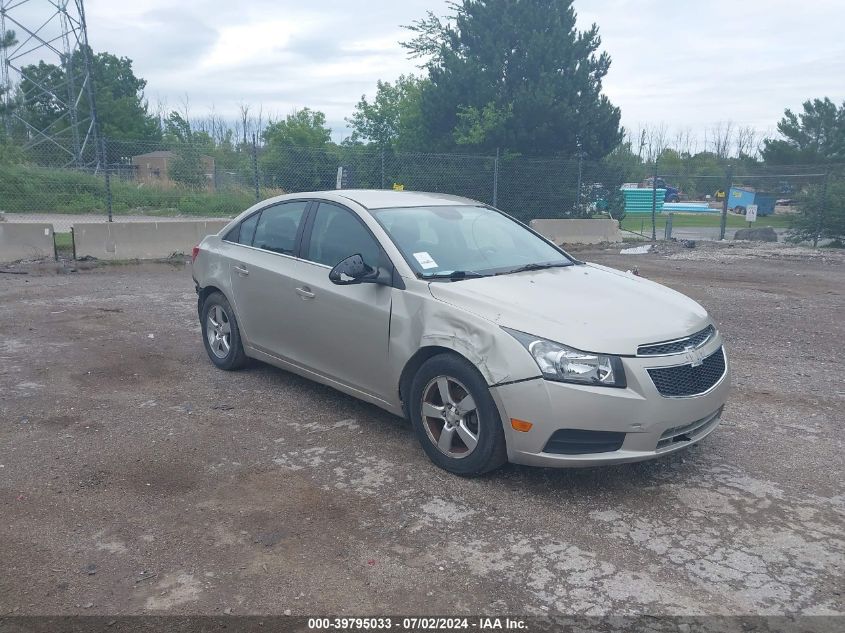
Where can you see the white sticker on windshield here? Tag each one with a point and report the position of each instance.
(425, 260)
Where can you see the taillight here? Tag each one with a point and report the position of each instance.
(194, 252)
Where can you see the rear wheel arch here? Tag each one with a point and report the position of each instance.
(206, 291)
(203, 294)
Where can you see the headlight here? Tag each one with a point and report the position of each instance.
(564, 364)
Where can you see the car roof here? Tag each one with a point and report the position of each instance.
(386, 198)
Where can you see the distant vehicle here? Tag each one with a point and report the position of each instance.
(741, 198)
(673, 194)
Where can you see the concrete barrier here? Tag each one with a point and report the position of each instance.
(140, 240)
(578, 231)
(26, 241)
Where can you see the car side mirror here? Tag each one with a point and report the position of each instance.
(353, 270)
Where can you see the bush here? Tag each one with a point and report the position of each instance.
(37, 189)
(822, 214)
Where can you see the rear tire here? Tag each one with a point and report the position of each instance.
(455, 418)
(220, 333)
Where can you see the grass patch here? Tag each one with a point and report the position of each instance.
(705, 220)
(34, 189)
(64, 244)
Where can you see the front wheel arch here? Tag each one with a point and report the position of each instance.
(413, 365)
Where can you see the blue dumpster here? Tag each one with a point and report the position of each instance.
(741, 198)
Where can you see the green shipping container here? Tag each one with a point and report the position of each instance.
(640, 200)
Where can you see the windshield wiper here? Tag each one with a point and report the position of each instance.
(455, 275)
(527, 267)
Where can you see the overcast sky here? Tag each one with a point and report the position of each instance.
(685, 63)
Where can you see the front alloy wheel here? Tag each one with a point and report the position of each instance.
(450, 417)
(454, 416)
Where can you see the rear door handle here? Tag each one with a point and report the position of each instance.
(243, 272)
(305, 292)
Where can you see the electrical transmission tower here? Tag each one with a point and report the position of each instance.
(49, 106)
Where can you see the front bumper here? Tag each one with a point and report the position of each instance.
(653, 425)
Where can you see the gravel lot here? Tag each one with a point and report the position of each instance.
(136, 478)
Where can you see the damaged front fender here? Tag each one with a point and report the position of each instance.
(421, 321)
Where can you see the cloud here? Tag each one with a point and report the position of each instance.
(686, 64)
(692, 64)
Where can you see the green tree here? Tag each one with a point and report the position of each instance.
(298, 154)
(392, 120)
(187, 166)
(122, 111)
(10, 154)
(9, 40)
(822, 213)
(627, 162)
(303, 128)
(815, 135)
(482, 127)
(515, 74)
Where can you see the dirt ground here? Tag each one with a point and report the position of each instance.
(137, 478)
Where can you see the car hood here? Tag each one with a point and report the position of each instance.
(589, 307)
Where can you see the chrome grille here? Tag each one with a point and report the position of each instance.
(677, 346)
(686, 380)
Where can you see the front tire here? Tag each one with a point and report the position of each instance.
(220, 333)
(455, 418)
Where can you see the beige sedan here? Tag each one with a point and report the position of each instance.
(494, 342)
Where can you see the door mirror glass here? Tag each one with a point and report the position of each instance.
(353, 270)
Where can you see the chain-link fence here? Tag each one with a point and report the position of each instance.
(169, 180)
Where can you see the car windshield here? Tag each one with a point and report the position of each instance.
(457, 242)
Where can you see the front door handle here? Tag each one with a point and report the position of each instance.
(243, 272)
(305, 292)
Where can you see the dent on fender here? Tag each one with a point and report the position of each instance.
(419, 323)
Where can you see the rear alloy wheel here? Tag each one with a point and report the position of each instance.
(455, 417)
(220, 332)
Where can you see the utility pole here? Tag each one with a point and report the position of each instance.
(577, 208)
(496, 179)
(728, 184)
(54, 32)
(255, 168)
(654, 203)
(821, 211)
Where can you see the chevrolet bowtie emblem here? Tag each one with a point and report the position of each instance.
(695, 357)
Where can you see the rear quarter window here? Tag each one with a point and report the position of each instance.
(243, 232)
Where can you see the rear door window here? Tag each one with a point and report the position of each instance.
(278, 227)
